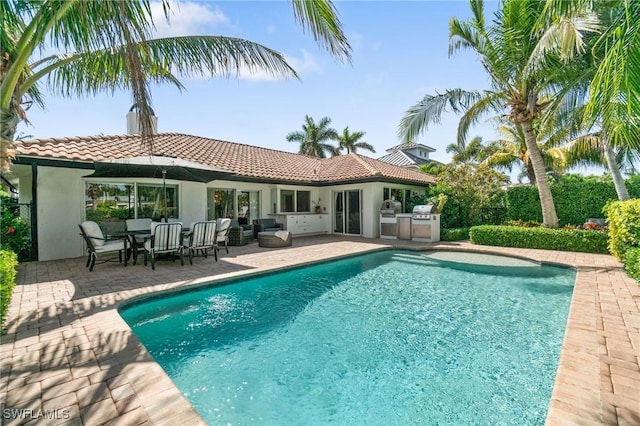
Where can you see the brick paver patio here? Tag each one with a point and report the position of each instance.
(69, 358)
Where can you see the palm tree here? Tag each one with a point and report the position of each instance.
(113, 48)
(590, 149)
(467, 154)
(511, 150)
(94, 191)
(521, 88)
(614, 83)
(432, 168)
(313, 138)
(350, 141)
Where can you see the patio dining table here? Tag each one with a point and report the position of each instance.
(131, 240)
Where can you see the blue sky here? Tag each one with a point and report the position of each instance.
(400, 53)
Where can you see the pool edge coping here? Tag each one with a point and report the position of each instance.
(564, 372)
(601, 276)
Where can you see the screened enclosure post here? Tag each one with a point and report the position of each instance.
(34, 215)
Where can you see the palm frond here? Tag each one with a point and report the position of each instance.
(565, 36)
(321, 19)
(489, 102)
(430, 110)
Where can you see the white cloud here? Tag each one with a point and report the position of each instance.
(305, 65)
(302, 65)
(185, 18)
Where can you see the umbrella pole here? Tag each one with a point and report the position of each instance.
(164, 189)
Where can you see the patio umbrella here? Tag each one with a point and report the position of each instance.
(158, 166)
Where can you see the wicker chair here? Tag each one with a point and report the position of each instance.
(239, 234)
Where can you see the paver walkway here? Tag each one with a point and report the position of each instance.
(69, 358)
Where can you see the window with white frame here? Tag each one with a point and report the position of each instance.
(109, 204)
(295, 201)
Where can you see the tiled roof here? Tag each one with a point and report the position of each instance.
(249, 162)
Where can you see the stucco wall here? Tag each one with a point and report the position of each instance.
(61, 205)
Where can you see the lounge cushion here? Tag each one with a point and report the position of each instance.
(93, 231)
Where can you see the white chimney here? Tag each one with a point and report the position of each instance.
(133, 124)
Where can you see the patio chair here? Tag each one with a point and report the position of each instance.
(240, 234)
(98, 245)
(202, 236)
(223, 226)
(166, 238)
(138, 226)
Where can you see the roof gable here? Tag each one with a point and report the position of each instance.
(409, 146)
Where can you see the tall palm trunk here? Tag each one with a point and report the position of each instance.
(9, 119)
(549, 216)
(531, 174)
(612, 165)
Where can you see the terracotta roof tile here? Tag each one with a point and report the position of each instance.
(245, 160)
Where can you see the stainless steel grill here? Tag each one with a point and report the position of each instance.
(422, 212)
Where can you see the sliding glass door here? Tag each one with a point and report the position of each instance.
(347, 215)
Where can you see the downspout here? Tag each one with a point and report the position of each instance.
(34, 211)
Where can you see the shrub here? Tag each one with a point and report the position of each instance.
(455, 234)
(632, 262)
(15, 232)
(8, 262)
(576, 198)
(624, 226)
(541, 238)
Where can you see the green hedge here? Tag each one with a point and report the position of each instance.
(632, 262)
(455, 234)
(624, 226)
(576, 199)
(540, 238)
(8, 262)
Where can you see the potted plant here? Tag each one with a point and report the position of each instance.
(318, 209)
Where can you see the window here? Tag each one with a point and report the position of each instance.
(220, 203)
(402, 195)
(157, 201)
(287, 198)
(303, 201)
(108, 202)
(248, 205)
(295, 201)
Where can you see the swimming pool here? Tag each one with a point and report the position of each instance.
(391, 337)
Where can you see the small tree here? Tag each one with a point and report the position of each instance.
(469, 190)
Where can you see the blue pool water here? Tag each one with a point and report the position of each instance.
(388, 338)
